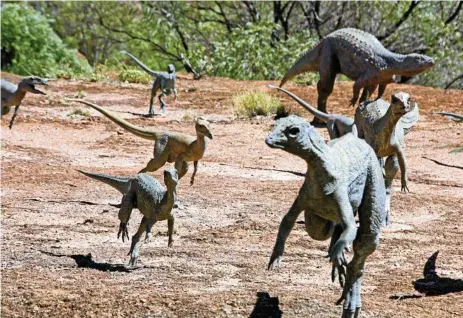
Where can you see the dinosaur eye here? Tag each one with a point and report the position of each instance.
(294, 131)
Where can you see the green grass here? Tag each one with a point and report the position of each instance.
(255, 103)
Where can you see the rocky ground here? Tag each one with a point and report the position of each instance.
(53, 217)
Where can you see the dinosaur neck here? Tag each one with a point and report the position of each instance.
(389, 121)
(171, 195)
(20, 93)
(201, 140)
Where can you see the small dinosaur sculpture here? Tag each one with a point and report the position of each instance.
(169, 146)
(343, 179)
(382, 125)
(147, 195)
(12, 95)
(359, 56)
(166, 82)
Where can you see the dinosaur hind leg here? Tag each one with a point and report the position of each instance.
(160, 156)
(181, 166)
(328, 71)
(135, 247)
(153, 94)
(390, 168)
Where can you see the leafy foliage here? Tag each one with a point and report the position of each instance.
(30, 46)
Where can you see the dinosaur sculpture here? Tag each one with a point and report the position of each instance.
(362, 58)
(343, 179)
(147, 195)
(166, 82)
(382, 125)
(12, 95)
(169, 146)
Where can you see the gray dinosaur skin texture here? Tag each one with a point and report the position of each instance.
(147, 195)
(166, 82)
(343, 179)
(359, 56)
(12, 95)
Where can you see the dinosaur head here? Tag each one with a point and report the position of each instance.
(203, 127)
(400, 103)
(171, 68)
(414, 64)
(28, 84)
(171, 178)
(294, 135)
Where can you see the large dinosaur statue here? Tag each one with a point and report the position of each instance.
(343, 179)
(12, 95)
(359, 56)
(146, 194)
(166, 82)
(169, 146)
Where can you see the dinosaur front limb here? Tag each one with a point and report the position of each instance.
(170, 230)
(285, 228)
(347, 220)
(195, 165)
(403, 170)
(124, 215)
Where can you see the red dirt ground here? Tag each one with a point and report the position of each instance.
(227, 222)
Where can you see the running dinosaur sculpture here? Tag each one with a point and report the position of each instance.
(146, 194)
(169, 146)
(166, 82)
(343, 179)
(362, 58)
(12, 95)
(383, 125)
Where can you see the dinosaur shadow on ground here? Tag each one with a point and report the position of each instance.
(432, 284)
(266, 306)
(86, 261)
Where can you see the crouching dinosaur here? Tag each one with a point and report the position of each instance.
(146, 194)
(359, 56)
(383, 125)
(168, 146)
(166, 82)
(343, 179)
(12, 95)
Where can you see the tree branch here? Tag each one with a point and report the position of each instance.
(404, 17)
(459, 77)
(455, 14)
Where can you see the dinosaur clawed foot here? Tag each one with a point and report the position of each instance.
(124, 231)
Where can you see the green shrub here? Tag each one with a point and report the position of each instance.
(135, 76)
(30, 46)
(255, 103)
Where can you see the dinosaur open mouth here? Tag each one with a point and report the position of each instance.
(38, 91)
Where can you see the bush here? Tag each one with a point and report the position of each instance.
(255, 103)
(30, 46)
(135, 76)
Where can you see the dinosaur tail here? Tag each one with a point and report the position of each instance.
(306, 63)
(320, 115)
(143, 66)
(119, 183)
(138, 131)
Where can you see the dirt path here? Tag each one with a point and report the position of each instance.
(227, 222)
